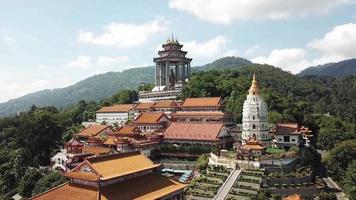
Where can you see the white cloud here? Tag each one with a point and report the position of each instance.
(227, 11)
(80, 62)
(212, 47)
(112, 61)
(252, 50)
(124, 34)
(292, 60)
(14, 90)
(339, 43)
(9, 41)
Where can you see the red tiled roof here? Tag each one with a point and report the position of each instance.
(187, 113)
(293, 197)
(96, 150)
(69, 191)
(144, 105)
(286, 128)
(73, 142)
(149, 118)
(199, 102)
(252, 145)
(128, 130)
(158, 187)
(92, 130)
(116, 108)
(165, 104)
(193, 131)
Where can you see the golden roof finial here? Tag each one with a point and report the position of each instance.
(254, 90)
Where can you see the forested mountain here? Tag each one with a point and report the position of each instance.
(29, 139)
(100, 86)
(345, 67)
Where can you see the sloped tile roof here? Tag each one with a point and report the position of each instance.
(149, 117)
(92, 130)
(165, 104)
(144, 105)
(204, 101)
(193, 131)
(116, 108)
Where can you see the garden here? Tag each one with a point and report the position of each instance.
(208, 184)
(247, 185)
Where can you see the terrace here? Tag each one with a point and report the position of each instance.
(208, 184)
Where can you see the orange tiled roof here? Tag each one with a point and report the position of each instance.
(158, 187)
(193, 131)
(69, 191)
(121, 164)
(92, 130)
(96, 150)
(149, 118)
(290, 128)
(165, 104)
(116, 108)
(199, 102)
(149, 187)
(187, 113)
(82, 176)
(126, 130)
(293, 197)
(144, 105)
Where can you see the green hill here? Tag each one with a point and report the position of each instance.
(100, 86)
(345, 67)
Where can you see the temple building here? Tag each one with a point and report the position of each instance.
(149, 122)
(94, 130)
(116, 114)
(203, 104)
(124, 176)
(290, 134)
(193, 133)
(171, 72)
(255, 115)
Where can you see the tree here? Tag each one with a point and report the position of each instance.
(202, 162)
(327, 196)
(48, 181)
(350, 180)
(340, 158)
(28, 182)
(274, 117)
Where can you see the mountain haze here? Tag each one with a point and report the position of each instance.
(100, 86)
(345, 67)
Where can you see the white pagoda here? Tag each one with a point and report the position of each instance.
(255, 115)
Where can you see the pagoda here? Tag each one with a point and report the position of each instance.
(255, 115)
(172, 71)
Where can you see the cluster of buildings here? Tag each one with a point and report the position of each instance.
(107, 158)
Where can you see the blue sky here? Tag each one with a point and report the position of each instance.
(50, 44)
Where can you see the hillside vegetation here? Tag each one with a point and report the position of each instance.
(100, 86)
(345, 67)
(31, 138)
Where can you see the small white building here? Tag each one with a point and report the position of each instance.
(290, 134)
(116, 114)
(255, 115)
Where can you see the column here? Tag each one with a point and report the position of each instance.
(156, 75)
(184, 74)
(177, 72)
(166, 73)
(188, 70)
(160, 74)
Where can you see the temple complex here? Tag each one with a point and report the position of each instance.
(172, 71)
(115, 177)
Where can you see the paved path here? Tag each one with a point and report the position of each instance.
(226, 187)
(334, 186)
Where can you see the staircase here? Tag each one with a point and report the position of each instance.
(227, 185)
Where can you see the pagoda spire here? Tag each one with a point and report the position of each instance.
(254, 90)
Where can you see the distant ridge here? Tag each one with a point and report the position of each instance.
(342, 68)
(98, 87)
